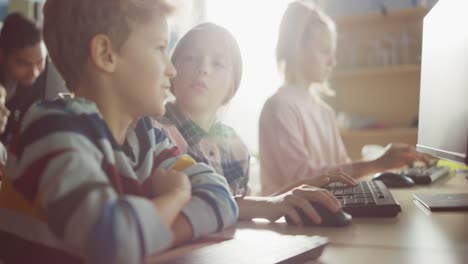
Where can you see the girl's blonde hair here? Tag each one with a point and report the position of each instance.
(300, 19)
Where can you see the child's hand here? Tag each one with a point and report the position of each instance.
(299, 197)
(398, 155)
(336, 175)
(173, 192)
(172, 182)
(329, 177)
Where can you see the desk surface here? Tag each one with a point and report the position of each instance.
(415, 236)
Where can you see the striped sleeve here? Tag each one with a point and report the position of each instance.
(57, 164)
(212, 207)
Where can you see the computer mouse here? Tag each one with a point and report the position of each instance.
(329, 218)
(391, 179)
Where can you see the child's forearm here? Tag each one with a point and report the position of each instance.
(182, 230)
(169, 207)
(288, 187)
(252, 207)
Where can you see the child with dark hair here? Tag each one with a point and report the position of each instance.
(22, 61)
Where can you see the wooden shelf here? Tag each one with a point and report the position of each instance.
(395, 101)
(368, 72)
(417, 13)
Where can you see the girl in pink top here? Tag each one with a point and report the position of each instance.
(209, 69)
(299, 137)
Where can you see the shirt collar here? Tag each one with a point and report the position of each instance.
(189, 130)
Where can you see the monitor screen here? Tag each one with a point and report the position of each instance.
(443, 110)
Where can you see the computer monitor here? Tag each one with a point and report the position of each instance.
(443, 109)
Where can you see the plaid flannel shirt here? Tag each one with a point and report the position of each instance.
(220, 147)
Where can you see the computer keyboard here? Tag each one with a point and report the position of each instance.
(366, 199)
(425, 175)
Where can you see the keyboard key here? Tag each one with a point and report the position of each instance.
(360, 201)
(338, 192)
(349, 201)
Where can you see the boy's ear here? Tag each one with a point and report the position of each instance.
(102, 53)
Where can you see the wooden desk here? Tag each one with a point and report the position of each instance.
(383, 255)
(414, 227)
(415, 236)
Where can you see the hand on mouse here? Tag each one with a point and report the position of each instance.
(299, 198)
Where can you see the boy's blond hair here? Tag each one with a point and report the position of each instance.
(300, 19)
(69, 26)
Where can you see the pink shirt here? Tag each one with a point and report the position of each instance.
(299, 138)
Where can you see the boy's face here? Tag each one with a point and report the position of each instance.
(204, 79)
(144, 69)
(25, 65)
